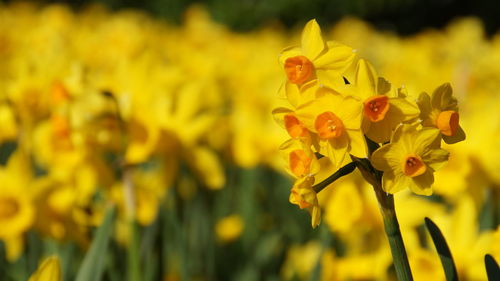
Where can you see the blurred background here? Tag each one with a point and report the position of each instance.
(163, 109)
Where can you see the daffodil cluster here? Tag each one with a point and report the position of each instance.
(335, 116)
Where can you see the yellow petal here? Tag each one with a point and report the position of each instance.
(393, 183)
(424, 104)
(337, 58)
(288, 53)
(422, 184)
(442, 98)
(49, 270)
(366, 79)
(388, 158)
(357, 144)
(208, 167)
(425, 138)
(436, 158)
(312, 43)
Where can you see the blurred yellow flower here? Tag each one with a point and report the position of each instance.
(229, 228)
(48, 270)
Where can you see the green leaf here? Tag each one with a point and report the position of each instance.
(492, 269)
(93, 263)
(443, 250)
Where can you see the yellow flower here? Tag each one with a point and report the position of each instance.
(441, 111)
(300, 159)
(229, 228)
(410, 160)
(303, 195)
(336, 122)
(314, 59)
(383, 109)
(16, 208)
(49, 270)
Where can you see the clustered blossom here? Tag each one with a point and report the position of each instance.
(333, 116)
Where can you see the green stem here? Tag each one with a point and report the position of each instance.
(391, 225)
(347, 169)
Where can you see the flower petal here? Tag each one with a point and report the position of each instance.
(422, 184)
(366, 79)
(457, 137)
(337, 58)
(312, 43)
(442, 98)
(289, 52)
(436, 158)
(357, 144)
(393, 183)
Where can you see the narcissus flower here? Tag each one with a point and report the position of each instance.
(336, 121)
(314, 59)
(49, 270)
(440, 110)
(410, 160)
(383, 109)
(303, 195)
(301, 160)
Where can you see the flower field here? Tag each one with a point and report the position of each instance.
(136, 149)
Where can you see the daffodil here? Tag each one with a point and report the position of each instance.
(301, 160)
(335, 121)
(49, 270)
(410, 159)
(383, 109)
(303, 195)
(440, 110)
(314, 59)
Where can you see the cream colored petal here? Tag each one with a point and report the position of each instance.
(312, 42)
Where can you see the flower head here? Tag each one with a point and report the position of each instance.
(440, 110)
(383, 109)
(410, 159)
(335, 121)
(303, 195)
(314, 59)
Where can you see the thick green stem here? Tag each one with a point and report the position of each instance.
(391, 225)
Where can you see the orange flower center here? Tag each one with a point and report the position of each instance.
(413, 165)
(300, 163)
(298, 69)
(59, 93)
(376, 107)
(447, 122)
(8, 207)
(328, 125)
(294, 127)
